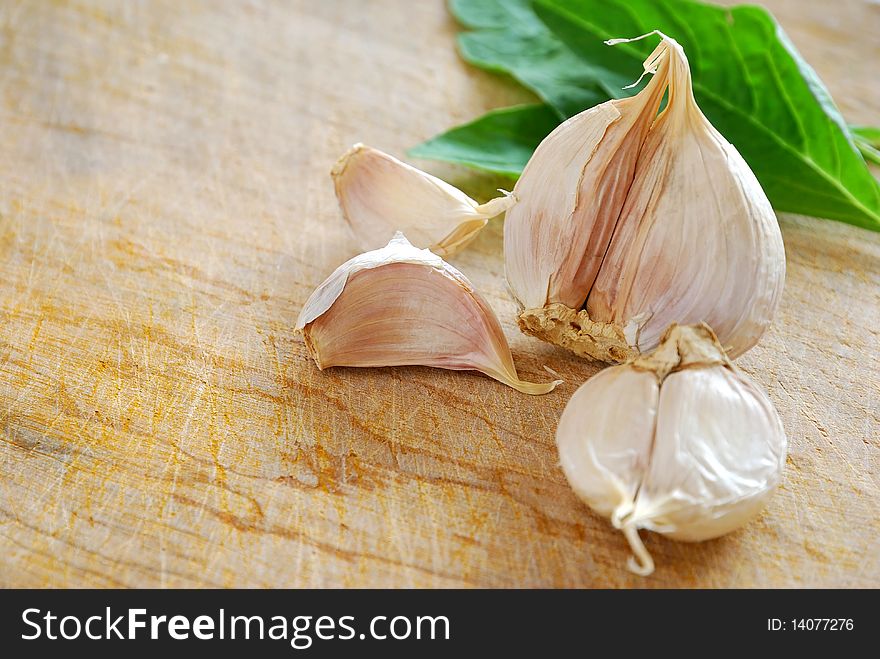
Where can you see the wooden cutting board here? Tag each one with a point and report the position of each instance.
(165, 210)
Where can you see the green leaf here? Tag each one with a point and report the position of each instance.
(754, 87)
(748, 78)
(508, 38)
(869, 152)
(868, 134)
(501, 141)
(868, 140)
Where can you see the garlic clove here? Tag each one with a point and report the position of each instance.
(380, 195)
(401, 305)
(593, 440)
(677, 441)
(688, 237)
(697, 239)
(719, 453)
(569, 198)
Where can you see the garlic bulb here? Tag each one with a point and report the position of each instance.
(399, 306)
(627, 223)
(677, 441)
(381, 195)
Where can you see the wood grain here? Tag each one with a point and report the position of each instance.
(165, 210)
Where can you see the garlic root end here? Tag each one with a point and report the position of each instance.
(576, 331)
(311, 347)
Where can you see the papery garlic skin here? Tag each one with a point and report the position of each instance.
(569, 198)
(677, 441)
(380, 195)
(695, 238)
(710, 421)
(400, 306)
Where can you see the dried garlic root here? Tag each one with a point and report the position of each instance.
(677, 441)
(401, 305)
(380, 195)
(628, 221)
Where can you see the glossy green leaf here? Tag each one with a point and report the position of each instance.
(867, 134)
(869, 153)
(507, 37)
(501, 141)
(868, 140)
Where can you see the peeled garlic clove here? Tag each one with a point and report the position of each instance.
(399, 306)
(695, 239)
(677, 441)
(381, 195)
(569, 198)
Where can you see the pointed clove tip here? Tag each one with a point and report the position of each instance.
(532, 388)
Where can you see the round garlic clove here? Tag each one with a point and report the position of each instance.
(719, 450)
(400, 306)
(604, 456)
(380, 195)
(678, 441)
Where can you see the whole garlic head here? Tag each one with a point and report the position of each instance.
(628, 222)
(677, 441)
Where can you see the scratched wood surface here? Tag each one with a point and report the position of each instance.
(165, 210)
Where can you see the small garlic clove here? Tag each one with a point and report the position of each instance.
(607, 456)
(677, 441)
(380, 195)
(400, 306)
(569, 198)
(697, 239)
